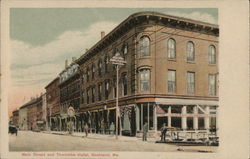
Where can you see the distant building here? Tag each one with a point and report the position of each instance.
(171, 75)
(70, 94)
(15, 117)
(53, 104)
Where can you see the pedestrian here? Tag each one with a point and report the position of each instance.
(86, 129)
(163, 132)
(145, 130)
(112, 128)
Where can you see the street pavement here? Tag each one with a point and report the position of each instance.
(62, 141)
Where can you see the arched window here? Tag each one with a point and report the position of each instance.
(190, 52)
(144, 46)
(100, 67)
(211, 55)
(171, 49)
(124, 84)
(144, 80)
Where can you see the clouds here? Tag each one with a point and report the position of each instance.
(204, 17)
(30, 64)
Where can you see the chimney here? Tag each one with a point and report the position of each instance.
(73, 59)
(66, 63)
(102, 34)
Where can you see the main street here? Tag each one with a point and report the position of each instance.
(40, 141)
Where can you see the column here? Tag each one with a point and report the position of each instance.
(195, 121)
(206, 120)
(148, 115)
(137, 115)
(169, 117)
(142, 107)
(155, 117)
(184, 118)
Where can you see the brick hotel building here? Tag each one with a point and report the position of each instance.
(171, 75)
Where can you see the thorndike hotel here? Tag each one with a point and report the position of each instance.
(170, 76)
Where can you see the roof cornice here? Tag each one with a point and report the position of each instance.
(157, 18)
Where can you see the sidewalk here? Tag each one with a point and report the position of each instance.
(101, 136)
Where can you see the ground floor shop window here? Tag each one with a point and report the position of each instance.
(212, 122)
(176, 122)
(201, 125)
(190, 122)
(161, 121)
(176, 109)
(146, 114)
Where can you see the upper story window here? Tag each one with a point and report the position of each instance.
(190, 82)
(83, 77)
(88, 74)
(124, 84)
(106, 89)
(171, 49)
(93, 94)
(125, 49)
(93, 71)
(211, 54)
(144, 46)
(212, 84)
(88, 96)
(100, 67)
(100, 91)
(171, 81)
(144, 80)
(83, 95)
(190, 52)
(106, 61)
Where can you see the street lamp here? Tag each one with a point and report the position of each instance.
(117, 60)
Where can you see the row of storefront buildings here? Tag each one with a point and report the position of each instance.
(170, 76)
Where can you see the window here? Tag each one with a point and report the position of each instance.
(83, 77)
(190, 82)
(144, 46)
(88, 74)
(106, 60)
(211, 55)
(171, 81)
(88, 96)
(93, 94)
(124, 84)
(83, 95)
(100, 91)
(93, 71)
(125, 49)
(171, 49)
(212, 84)
(100, 67)
(144, 80)
(190, 52)
(106, 89)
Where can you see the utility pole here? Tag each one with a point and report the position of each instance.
(117, 60)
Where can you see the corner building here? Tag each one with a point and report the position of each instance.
(171, 76)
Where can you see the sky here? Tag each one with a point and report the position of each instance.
(43, 38)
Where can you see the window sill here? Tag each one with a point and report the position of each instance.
(191, 62)
(210, 64)
(172, 60)
(145, 57)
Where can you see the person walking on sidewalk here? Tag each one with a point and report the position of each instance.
(145, 131)
(163, 132)
(86, 129)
